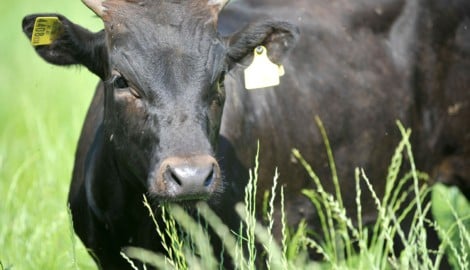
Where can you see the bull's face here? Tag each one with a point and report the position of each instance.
(164, 95)
(163, 64)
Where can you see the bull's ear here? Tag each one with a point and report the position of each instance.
(73, 45)
(277, 36)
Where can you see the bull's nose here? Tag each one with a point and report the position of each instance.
(195, 177)
(190, 177)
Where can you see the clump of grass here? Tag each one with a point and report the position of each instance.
(455, 230)
(347, 243)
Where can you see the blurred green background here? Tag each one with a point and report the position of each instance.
(41, 112)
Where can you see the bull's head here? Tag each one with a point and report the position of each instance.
(163, 64)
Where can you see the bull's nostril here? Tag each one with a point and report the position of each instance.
(175, 178)
(172, 176)
(210, 178)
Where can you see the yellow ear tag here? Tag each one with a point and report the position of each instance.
(46, 30)
(262, 72)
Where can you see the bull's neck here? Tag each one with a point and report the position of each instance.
(108, 188)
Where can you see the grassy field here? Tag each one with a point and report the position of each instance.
(41, 111)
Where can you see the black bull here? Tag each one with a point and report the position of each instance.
(155, 125)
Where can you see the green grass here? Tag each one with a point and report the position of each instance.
(41, 112)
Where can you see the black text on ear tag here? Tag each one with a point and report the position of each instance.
(46, 30)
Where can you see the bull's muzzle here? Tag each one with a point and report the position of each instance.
(187, 178)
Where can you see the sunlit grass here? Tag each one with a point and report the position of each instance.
(41, 112)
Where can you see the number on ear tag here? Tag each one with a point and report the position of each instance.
(45, 31)
(262, 72)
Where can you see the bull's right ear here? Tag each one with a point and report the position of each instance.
(279, 37)
(74, 45)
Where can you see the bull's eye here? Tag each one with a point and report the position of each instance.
(119, 82)
(219, 97)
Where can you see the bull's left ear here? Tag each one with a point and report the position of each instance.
(73, 45)
(278, 37)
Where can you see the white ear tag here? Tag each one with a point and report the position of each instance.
(262, 72)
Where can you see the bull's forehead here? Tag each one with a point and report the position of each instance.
(146, 15)
(174, 43)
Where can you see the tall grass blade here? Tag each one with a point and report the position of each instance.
(263, 237)
(331, 160)
(197, 235)
(72, 238)
(148, 257)
(223, 232)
